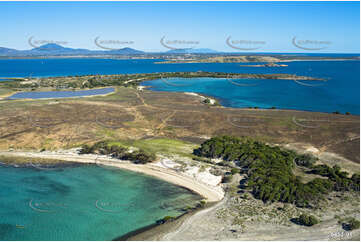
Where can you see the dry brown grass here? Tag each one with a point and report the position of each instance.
(129, 114)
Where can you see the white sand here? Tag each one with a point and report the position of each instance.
(140, 88)
(212, 101)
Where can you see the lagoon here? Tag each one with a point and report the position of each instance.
(62, 94)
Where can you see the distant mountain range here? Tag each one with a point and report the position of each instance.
(55, 49)
(58, 50)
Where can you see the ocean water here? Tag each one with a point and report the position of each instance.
(88, 66)
(340, 92)
(83, 202)
(61, 94)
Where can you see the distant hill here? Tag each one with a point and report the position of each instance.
(192, 51)
(7, 51)
(58, 50)
(53, 49)
(126, 51)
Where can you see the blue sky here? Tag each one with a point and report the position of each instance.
(272, 24)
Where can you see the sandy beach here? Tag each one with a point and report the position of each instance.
(212, 194)
(211, 100)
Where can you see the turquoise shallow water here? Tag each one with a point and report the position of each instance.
(84, 202)
(340, 92)
(62, 94)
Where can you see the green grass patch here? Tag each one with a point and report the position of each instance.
(5, 91)
(159, 145)
(154, 145)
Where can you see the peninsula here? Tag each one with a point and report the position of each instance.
(169, 136)
(127, 80)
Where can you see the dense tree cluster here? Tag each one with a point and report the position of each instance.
(271, 179)
(270, 171)
(119, 152)
(341, 179)
(228, 148)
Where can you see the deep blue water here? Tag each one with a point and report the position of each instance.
(340, 93)
(85, 202)
(61, 94)
(72, 67)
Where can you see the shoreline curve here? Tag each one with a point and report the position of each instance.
(207, 192)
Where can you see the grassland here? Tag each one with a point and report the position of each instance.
(159, 145)
(130, 114)
(5, 92)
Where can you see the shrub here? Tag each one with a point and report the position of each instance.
(351, 224)
(307, 220)
(227, 179)
(216, 171)
(223, 163)
(141, 157)
(116, 151)
(85, 149)
(202, 203)
(207, 101)
(165, 219)
(340, 178)
(305, 160)
(235, 171)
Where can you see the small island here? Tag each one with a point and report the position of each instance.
(271, 64)
(236, 58)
